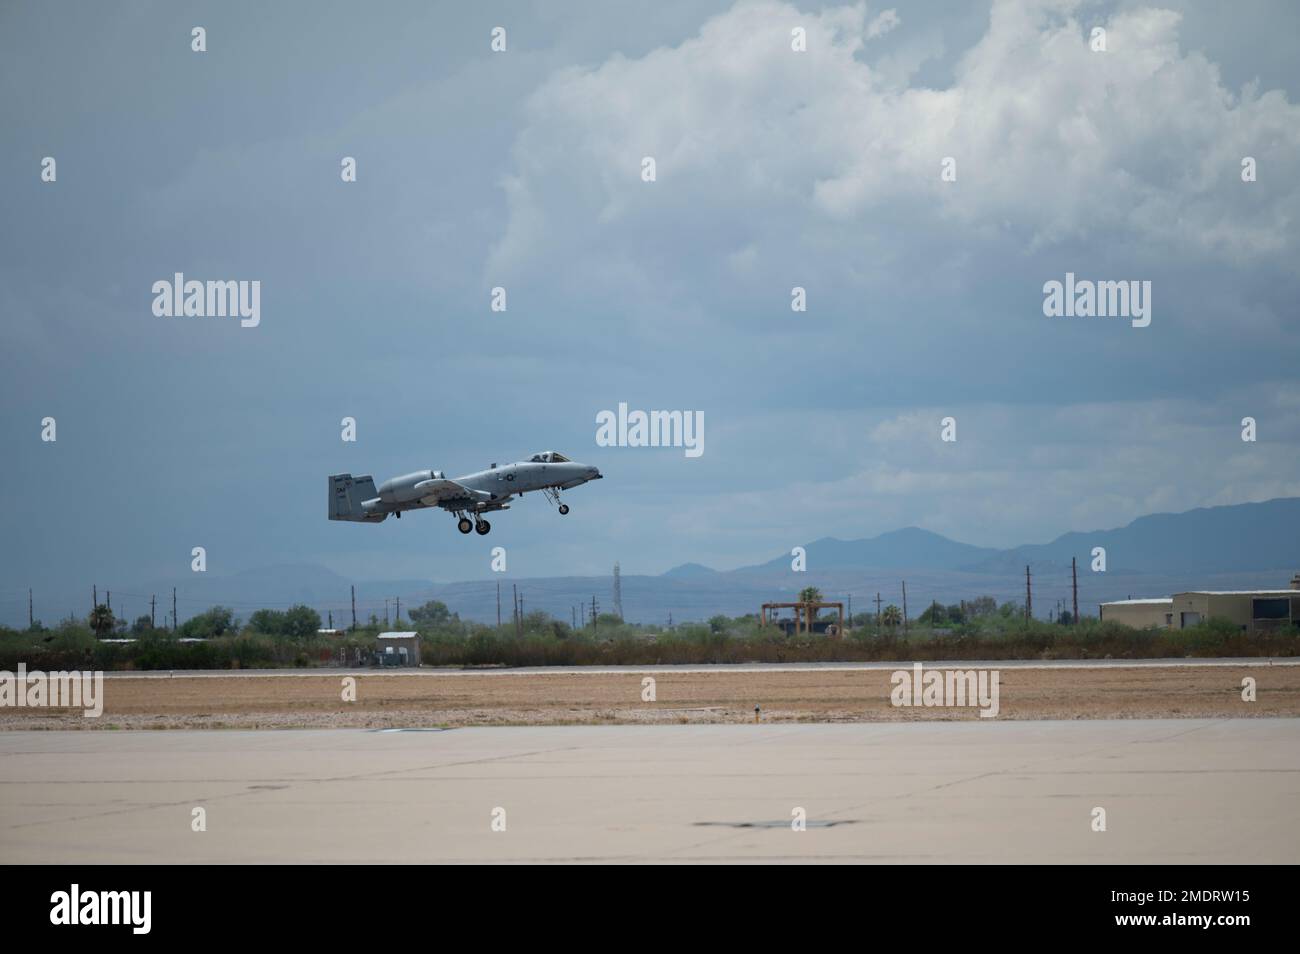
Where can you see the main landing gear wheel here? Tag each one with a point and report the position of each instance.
(464, 526)
(483, 527)
(564, 508)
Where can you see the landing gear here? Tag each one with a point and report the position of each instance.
(482, 528)
(553, 495)
(564, 508)
(464, 525)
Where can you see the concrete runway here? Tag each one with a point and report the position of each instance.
(1181, 791)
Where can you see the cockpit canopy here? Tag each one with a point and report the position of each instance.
(548, 457)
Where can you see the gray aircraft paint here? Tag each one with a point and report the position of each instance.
(357, 499)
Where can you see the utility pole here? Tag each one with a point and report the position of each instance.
(618, 590)
(175, 621)
(94, 598)
(398, 618)
(153, 598)
(514, 602)
(498, 604)
(1029, 596)
(386, 602)
(878, 630)
(108, 596)
(593, 611)
(354, 606)
(1074, 576)
(905, 608)
(573, 611)
(331, 615)
(30, 623)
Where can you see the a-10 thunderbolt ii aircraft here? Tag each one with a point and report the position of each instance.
(468, 497)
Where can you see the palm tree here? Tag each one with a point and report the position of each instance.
(809, 594)
(101, 620)
(892, 617)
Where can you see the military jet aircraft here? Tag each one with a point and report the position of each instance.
(468, 497)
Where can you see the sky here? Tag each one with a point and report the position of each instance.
(523, 169)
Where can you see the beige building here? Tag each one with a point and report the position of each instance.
(1252, 610)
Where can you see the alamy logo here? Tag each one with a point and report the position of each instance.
(55, 690)
(946, 687)
(194, 299)
(102, 907)
(1088, 299)
(651, 429)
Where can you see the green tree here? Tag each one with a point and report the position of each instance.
(301, 622)
(101, 620)
(719, 623)
(432, 613)
(270, 622)
(810, 594)
(217, 621)
(892, 617)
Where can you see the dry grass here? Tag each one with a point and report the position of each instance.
(714, 696)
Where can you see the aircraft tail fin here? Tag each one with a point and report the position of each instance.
(346, 496)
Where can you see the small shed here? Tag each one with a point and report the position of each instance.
(399, 649)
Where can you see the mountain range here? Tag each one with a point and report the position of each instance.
(1253, 545)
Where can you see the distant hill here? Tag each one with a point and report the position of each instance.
(688, 571)
(1232, 547)
(1236, 538)
(909, 548)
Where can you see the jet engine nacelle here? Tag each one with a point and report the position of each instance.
(402, 489)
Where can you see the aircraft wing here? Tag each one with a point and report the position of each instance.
(439, 491)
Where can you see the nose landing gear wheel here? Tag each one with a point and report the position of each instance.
(464, 526)
(564, 508)
(483, 527)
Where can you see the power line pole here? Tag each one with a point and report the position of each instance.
(593, 611)
(905, 608)
(398, 618)
(514, 608)
(153, 599)
(94, 596)
(618, 591)
(1074, 576)
(1029, 596)
(331, 616)
(354, 606)
(878, 630)
(387, 600)
(175, 621)
(30, 623)
(108, 596)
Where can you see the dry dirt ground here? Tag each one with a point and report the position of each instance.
(715, 696)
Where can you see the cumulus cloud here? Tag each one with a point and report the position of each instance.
(770, 154)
